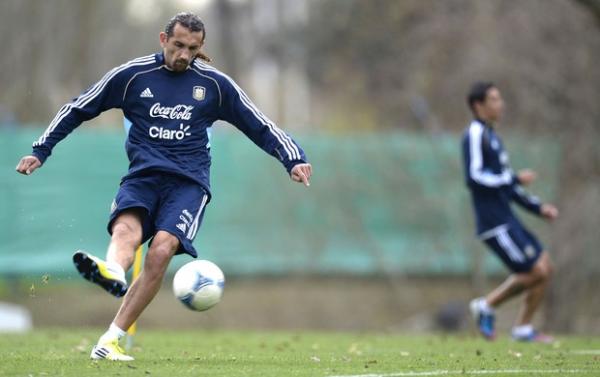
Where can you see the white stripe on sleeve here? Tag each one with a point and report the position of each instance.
(287, 143)
(476, 167)
(87, 97)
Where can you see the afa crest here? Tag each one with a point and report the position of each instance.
(198, 93)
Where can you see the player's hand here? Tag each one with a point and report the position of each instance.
(302, 173)
(527, 176)
(549, 212)
(28, 165)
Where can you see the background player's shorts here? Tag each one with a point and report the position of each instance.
(171, 203)
(516, 247)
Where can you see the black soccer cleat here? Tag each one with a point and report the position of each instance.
(101, 273)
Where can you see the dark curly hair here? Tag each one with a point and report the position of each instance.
(191, 22)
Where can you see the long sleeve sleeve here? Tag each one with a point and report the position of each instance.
(105, 94)
(476, 174)
(524, 199)
(238, 110)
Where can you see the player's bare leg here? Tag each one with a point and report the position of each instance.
(110, 274)
(523, 329)
(533, 282)
(517, 283)
(139, 295)
(534, 295)
(126, 237)
(143, 290)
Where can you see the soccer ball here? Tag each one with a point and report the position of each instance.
(199, 285)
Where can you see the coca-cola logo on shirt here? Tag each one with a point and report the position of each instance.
(179, 112)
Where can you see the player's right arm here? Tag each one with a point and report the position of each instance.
(105, 94)
(477, 174)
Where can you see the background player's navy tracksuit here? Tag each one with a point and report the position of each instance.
(494, 187)
(168, 143)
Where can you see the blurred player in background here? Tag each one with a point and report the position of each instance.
(494, 186)
(171, 100)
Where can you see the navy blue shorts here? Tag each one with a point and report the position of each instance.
(515, 246)
(171, 203)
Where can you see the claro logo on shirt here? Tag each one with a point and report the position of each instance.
(167, 134)
(179, 112)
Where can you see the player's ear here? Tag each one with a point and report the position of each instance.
(163, 37)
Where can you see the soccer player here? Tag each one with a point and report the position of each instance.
(171, 99)
(493, 187)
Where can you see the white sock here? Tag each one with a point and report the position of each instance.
(116, 269)
(522, 330)
(484, 307)
(114, 332)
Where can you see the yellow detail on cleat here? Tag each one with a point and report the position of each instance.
(103, 268)
(110, 277)
(110, 351)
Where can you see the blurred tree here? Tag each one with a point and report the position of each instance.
(572, 298)
(593, 6)
(59, 47)
(227, 46)
(381, 54)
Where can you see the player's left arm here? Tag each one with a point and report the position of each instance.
(237, 109)
(530, 202)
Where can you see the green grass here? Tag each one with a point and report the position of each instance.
(64, 352)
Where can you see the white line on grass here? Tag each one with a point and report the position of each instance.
(586, 352)
(470, 372)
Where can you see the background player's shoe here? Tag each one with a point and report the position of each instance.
(110, 276)
(484, 318)
(109, 351)
(533, 336)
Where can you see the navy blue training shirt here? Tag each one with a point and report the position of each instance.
(171, 114)
(491, 180)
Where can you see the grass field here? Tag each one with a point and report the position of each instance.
(64, 352)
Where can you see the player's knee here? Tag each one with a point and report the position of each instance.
(548, 270)
(125, 232)
(121, 230)
(157, 261)
(162, 250)
(542, 272)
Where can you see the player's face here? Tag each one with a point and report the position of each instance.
(181, 48)
(493, 106)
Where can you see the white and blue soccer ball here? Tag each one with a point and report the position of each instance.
(199, 285)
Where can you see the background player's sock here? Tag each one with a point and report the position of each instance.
(114, 332)
(484, 307)
(522, 331)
